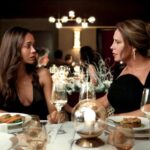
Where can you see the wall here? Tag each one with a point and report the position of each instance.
(34, 25)
(66, 40)
(59, 38)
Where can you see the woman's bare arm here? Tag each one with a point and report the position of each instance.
(103, 101)
(46, 82)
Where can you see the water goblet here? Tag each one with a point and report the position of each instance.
(35, 137)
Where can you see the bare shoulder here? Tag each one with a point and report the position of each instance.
(43, 71)
(44, 75)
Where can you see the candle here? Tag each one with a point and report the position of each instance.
(89, 119)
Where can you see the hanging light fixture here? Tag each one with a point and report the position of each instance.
(71, 17)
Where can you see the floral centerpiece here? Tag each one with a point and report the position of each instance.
(74, 83)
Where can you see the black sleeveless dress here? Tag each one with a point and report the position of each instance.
(125, 93)
(37, 107)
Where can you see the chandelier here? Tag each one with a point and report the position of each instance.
(71, 17)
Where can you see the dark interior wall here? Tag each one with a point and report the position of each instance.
(46, 39)
(46, 35)
(104, 41)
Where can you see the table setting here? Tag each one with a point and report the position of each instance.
(22, 131)
(69, 140)
(91, 127)
(90, 130)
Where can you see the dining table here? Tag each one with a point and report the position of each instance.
(67, 140)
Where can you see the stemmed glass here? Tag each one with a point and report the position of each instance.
(145, 104)
(59, 98)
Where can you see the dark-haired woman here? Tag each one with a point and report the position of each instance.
(24, 88)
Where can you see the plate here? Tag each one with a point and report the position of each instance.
(7, 141)
(14, 127)
(144, 121)
(27, 118)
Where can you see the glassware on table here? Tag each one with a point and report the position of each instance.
(89, 122)
(59, 98)
(122, 138)
(145, 103)
(35, 121)
(36, 137)
(87, 91)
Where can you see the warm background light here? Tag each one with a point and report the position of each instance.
(71, 17)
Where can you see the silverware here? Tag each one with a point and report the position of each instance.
(113, 121)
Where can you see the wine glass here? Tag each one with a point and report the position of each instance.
(87, 91)
(145, 103)
(59, 98)
(122, 138)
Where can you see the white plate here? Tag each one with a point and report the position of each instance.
(7, 141)
(27, 118)
(144, 121)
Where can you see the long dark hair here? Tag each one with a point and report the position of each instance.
(88, 55)
(10, 58)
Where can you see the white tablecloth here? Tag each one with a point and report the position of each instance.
(66, 141)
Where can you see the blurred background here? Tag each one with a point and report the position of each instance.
(34, 14)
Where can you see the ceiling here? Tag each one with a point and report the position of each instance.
(107, 12)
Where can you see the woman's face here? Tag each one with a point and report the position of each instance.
(120, 50)
(28, 52)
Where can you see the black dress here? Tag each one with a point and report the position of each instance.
(37, 107)
(125, 93)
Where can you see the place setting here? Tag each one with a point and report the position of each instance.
(34, 135)
(22, 131)
(10, 125)
(12, 122)
(140, 124)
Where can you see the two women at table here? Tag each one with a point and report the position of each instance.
(24, 88)
(131, 44)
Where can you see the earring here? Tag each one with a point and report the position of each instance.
(134, 53)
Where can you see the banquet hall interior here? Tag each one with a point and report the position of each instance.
(69, 25)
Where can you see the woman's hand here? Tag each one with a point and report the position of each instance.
(56, 117)
(53, 117)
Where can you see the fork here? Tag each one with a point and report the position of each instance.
(113, 121)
